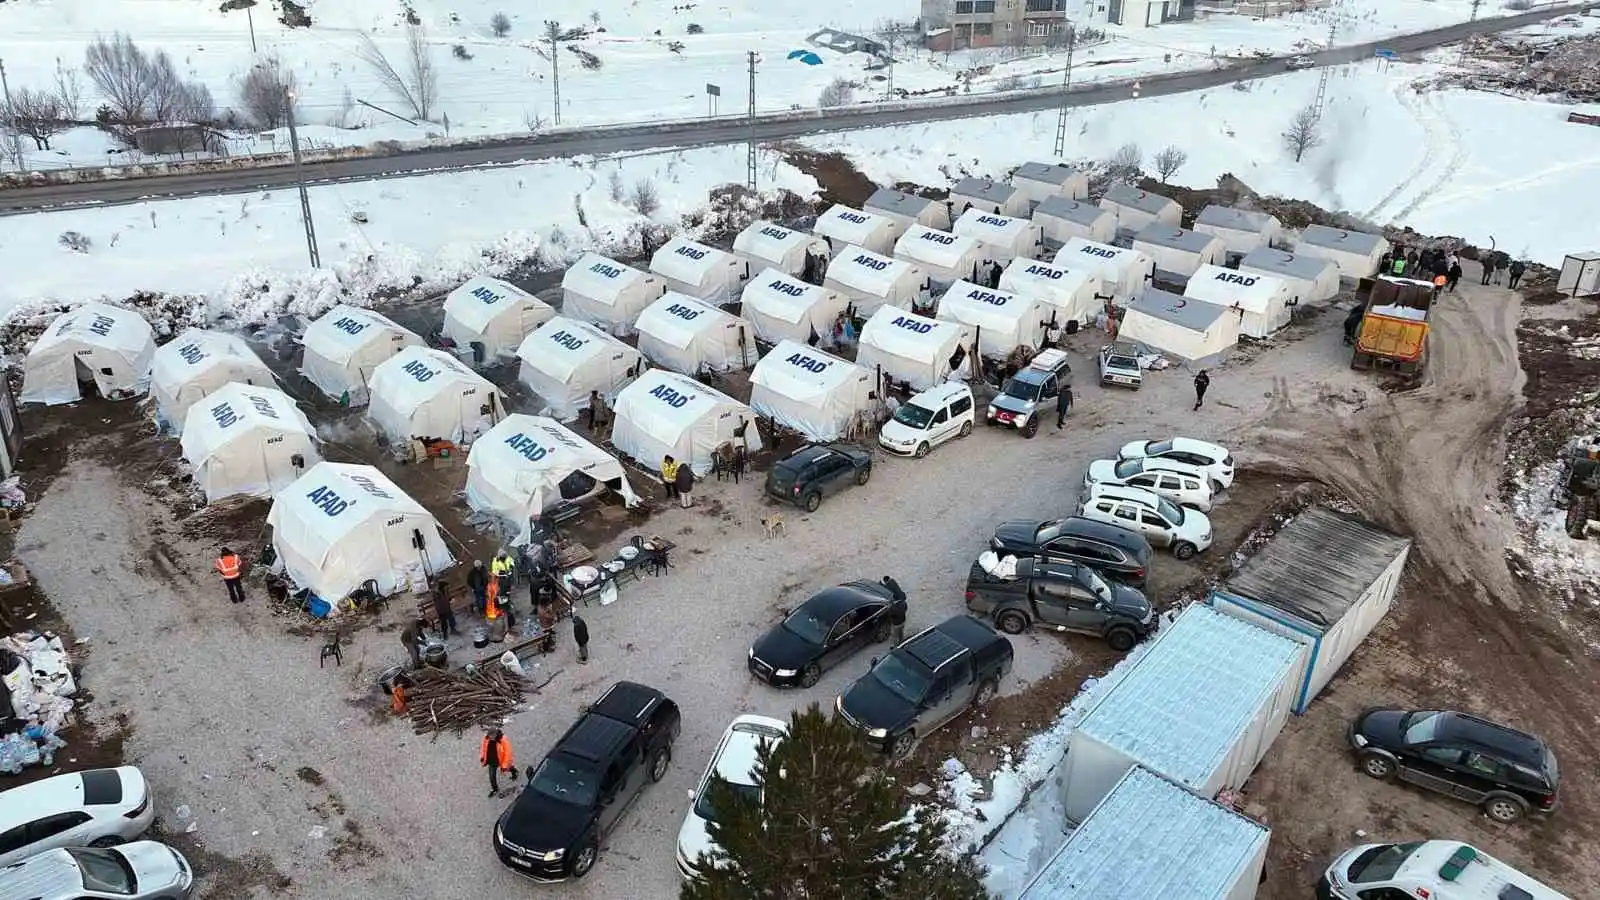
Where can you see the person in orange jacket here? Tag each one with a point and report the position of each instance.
(231, 568)
(495, 755)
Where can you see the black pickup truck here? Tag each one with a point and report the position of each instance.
(1063, 596)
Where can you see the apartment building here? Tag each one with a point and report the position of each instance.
(959, 24)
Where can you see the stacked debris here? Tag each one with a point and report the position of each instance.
(35, 704)
(1568, 66)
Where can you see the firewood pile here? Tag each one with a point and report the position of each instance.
(456, 700)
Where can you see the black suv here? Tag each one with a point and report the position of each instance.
(1063, 596)
(580, 790)
(1116, 552)
(805, 475)
(925, 682)
(1505, 771)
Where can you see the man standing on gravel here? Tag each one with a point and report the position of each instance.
(495, 755)
(683, 480)
(1201, 382)
(441, 608)
(1063, 405)
(478, 583)
(231, 568)
(580, 636)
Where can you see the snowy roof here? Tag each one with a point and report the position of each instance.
(1048, 281)
(910, 336)
(1358, 242)
(100, 325)
(934, 247)
(986, 308)
(992, 227)
(868, 272)
(1100, 258)
(781, 296)
(1192, 694)
(1163, 235)
(344, 330)
(1070, 210)
(851, 226)
(983, 189)
(1151, 838)
(770, 241)
(599, 277)
(799, 372)
(1133, 198)
(686, 261)
(1236, 219)
(1226, 287)
(333, 499)
(234, 410)
(1184, 312)
(417, 374)
(1282, 262)
(483, 299)
(900, 202)
(197, 351)
(1049, 173)
(1318, 565)
(677, 319)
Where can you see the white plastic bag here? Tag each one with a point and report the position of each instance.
(510, 661)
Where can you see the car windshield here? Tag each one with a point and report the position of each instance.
(1381, 863)
(1129, 468)
(1156, 448)
(566, 783)
(104, 870)
(1122, 362)
(1420, 727)
(913, 415)
(704, 808)
(907, 682)
(1170, 511)
(1022, 390)
(804, 624)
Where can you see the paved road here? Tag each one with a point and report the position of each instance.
(707, 133)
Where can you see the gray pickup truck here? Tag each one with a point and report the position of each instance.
(1062, 596)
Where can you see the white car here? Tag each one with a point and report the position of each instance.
(1163, 523)
(141, 870)
(94, 808)
(1181, 483)
(928, 419)
(732, 762)
(1216, 460)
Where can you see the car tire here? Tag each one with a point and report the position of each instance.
(1216, 486)
(863, 475)
(900, 747)
(659, 763)
(1121, 639)
(810, 675)
(986, 692)
(1504, 808)
(966, 429)
(1184, 550)
(883, 631)
(109, 840)
(1011, 622)
(584, 859)
(1032, 428)
(921, 451)
(1376, 765)
(811, 501)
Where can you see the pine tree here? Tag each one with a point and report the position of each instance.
(829, 825)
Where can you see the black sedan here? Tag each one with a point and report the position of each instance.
(825, 630)
(1117, 553)
(804, 476)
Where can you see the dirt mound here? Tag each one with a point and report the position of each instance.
(836, 175)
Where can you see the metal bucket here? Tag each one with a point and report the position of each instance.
(435, 657)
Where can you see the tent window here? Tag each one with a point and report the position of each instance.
(106, 371)
(576, 485)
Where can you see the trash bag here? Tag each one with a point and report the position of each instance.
(510, 661)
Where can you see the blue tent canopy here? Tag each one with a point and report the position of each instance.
(806, 56)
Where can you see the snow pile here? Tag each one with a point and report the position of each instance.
(1569, 566)
(1400, 312)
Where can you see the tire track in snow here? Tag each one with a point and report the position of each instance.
(1409, 99)
(1458, 156)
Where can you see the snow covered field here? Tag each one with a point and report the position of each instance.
(505, 86)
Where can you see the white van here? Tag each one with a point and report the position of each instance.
(1438, 870)
(928, 419)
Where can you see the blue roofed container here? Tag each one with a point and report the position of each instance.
(1200, 707)
(1150, 838)
(1325, 580)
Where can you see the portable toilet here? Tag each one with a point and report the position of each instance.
(564, 360)
(844, 227)
(1072, 293)
(667, 414)
(108, 346)
(908, 209)
(1061, 219)
(779, 307)
(1003, 238)
(1356, 253)
(945, 257)
(1041, 181)
(872, 281)
(1123, 273)
(702, 272)
(809, 391)
(189, 367)
(1241, 230)
(685, 335)
(1137, 208)
(911, 348)
(1003, 320)
(492, 314)
(247, 439)
(769, 245)
(1263, 301)
(608, 293)
(988, 195)
(1190, 330)
(1179, 250)
(421, 392)
(1310, 278)
(345, 346)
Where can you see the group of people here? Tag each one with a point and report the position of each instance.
(678, 479)
(1428, 264)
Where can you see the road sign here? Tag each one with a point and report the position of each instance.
(1385, 54)
(712, 90)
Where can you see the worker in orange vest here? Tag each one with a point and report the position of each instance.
(495, 755)
(231, 568)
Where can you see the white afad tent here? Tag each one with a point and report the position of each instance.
(685, 335)
(1311, 278)
(107, 346)
(197, 362)
(705, 273)
(1074, 293)
(769, 245)
(345, 346)
(1003, 320)
(872, 281)
(845, 229)
(527, 465)
(1003, 238)
(911, 348)
(806, 390)
(247, 439)
(780, 307)
(1262, 301)
(492, 313)
(1124, 274)
(945, 257)
(1356, 253)
(667, 414)
(426, 393)
(341, 525)
(566, 360)
(607, 293)
(1191, 330)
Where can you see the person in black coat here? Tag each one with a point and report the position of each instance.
(1517, 268)
(684, 482)
(1201, 383)
(441, 608)
(1063, 405)
(1452, 276)
(580, 636)
(898, 594)
(478, 583)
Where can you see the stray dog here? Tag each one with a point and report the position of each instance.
(773, 526)
(331, 650)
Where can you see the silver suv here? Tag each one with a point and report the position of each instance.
(1025, 394)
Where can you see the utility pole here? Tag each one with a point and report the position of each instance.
(1066, 88)
(750, 168)
(1461, 57)
(553, 31)
(248, 17)
(300, 179)
(10, 115)
(1322, 83)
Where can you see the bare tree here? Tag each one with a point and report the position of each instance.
(174, 100)
(347, 105)
(594, 17)
(1169, 161)
(37, 114)
(122, 73)
(266, 91)
(1127, 161)
(839, 92)
(69, 90)
(645, 199)
(500, 24)
(417, 83)
(1304, 132)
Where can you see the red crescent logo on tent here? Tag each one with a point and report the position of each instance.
(1181, 303)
